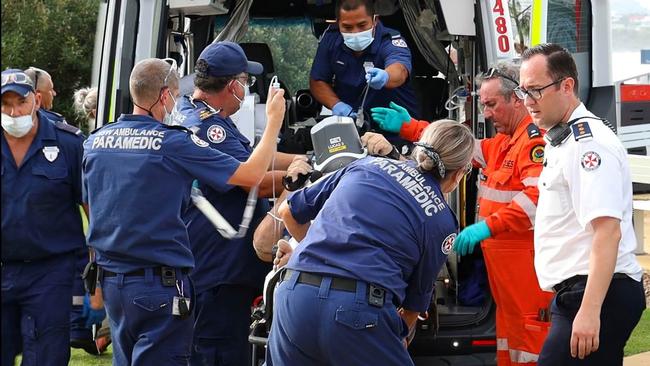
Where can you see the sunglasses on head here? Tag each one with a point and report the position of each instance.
(494, 73)
(17, 78)
(173, 67)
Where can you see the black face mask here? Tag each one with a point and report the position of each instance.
(559, 133)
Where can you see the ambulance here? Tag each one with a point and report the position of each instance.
(450, 42)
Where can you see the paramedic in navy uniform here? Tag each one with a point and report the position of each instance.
(41, 225)
(138, 174)
(584, 240)
(381, 231)
(227, 275)
(359, 50)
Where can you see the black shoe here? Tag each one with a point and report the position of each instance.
(86, 344)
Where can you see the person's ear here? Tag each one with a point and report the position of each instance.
(567, 85)
(38, 98)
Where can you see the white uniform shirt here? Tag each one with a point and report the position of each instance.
(582, 180)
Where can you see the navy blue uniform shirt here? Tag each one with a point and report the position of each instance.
(138, 175)
(219, 260)
(380, 221)
(336, 64)
(41, 198)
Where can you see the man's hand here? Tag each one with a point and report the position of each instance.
(376, 78)
(376, 144)
(343, 109)
(470, 236)
(585, 333)
(283, 254)
(299, 165)
(93, 316)
(390, 119)
(275, 108)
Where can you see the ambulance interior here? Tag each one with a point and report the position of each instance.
(450, 42)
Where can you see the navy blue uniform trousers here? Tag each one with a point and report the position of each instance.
(323, 326)
(143, 329)
(36, 304)
(78, 330)
(221, 326)
(621, 311)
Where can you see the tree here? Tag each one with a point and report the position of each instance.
(56, 36)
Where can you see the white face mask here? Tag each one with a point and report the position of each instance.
(246, 93)
(169, 117)
(358, 41)
(18, 126)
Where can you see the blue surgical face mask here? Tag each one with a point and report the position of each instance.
(358, 41)
(18, 126)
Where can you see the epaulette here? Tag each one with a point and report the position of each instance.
(581, 131)
(178, 127)
(64, 126)
(206, 112)
(396, 38)
(533, 131)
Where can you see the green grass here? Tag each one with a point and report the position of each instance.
(79, 357)
(640, 339)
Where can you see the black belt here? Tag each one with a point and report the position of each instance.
(338, 283)
(579, 278)
(157, 271)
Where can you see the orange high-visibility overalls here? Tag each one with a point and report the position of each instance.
(507, 202)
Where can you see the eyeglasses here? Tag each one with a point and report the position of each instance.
(17, 78)
(173, 67)
(494, 73)
(535, 94)
(249, 80)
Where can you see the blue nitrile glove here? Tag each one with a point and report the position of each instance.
(391, 119)
(343, 109)
(376, 78)
(92, 316)
(470, 236)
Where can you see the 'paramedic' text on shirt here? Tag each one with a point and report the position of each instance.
(411, 179)
(128, 138)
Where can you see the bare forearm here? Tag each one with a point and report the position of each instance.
(282, 160)
(296, 229)
(602, 262)
(397, 75)
(268, 232)
(323, 93)
(267, 184)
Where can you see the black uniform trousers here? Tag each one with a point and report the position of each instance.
(621, 311)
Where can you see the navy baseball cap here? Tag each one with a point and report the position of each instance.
(15, 80)
(228, 58)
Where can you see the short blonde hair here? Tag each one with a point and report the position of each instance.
(85, 102)
(445, 146)
(148, 78)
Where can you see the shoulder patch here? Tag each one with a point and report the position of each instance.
(448, 243)
(216, 134)
(590, 161)
(581, 131)
(537, 154)
(206, 113)
(533, 131)
(399, 42)
(197, 140)
(64, 126)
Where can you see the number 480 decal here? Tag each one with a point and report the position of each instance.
(501, 26)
